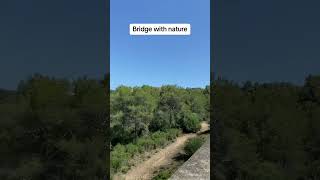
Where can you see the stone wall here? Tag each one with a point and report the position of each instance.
(197, 167)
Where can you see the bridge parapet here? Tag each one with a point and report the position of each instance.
(197, 167)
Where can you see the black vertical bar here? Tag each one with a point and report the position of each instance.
(212, 176)
(108, 134)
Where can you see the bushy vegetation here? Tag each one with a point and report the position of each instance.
(193, 145)
(121, 154)
(266, 131)
(58, 129)
(54, 129)
(145, 118)
(190, 122)
(163, 175)
(136, 111)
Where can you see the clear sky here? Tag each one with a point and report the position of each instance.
(253, 40)
(158, 60)
(266, 41)
(60, 38)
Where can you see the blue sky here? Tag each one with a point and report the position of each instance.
(158, 60)
(266, 41)
(64, 39)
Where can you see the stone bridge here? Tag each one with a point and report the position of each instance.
(197, 167)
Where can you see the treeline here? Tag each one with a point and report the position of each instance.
(136, 111)
(144, 118)
(266, 131)
(54, 129)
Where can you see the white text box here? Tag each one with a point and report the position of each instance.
(160, 29)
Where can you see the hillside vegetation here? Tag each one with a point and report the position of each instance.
(54, 129)
(145, 118)
(266, 131)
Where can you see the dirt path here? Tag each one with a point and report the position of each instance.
(144, 171)
(204, 127)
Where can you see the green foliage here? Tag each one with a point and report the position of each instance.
(132, 149)
(266, 131)
(121, 154)
(190, 122)
(160, 138)
(145, 118)
(160, 121)
(137, 111)
(145, 144)
(193, 145)
(163, 175)
(119, 157)
(57, 128)
(29, 169)
(173, 133)
(53, 129)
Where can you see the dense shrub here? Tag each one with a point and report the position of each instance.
(159, 138)
(57, 128)
(160, 122)
(173, 133)
(137, 111)
(132, 149)
(267, 131)
(121, 154)
(145, 144)
(53, 129)
(190, 122)
(193, 145)
(163, 175)
(145, 118)
(119, 157)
